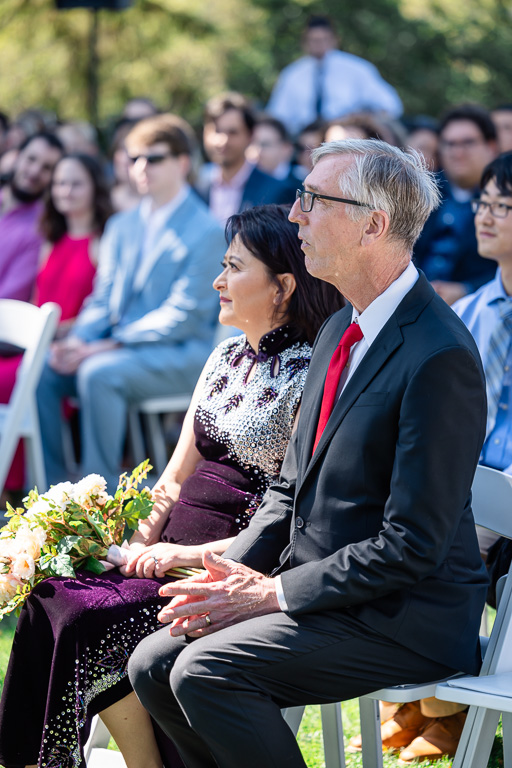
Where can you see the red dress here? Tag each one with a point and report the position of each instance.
(66, 278)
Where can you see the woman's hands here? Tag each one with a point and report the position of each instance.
(154, 561)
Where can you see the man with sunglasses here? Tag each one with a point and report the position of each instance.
(148, 326)
(361, 567)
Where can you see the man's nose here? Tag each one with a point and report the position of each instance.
(296, 214)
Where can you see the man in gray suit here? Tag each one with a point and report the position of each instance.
(361, 567)
(148, 326)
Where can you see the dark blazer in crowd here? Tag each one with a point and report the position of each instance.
(447, 248)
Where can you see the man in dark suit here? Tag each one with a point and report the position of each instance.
(231, 183)
(369, 540)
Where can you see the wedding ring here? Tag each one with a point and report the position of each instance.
(208, 620)
(155, 559)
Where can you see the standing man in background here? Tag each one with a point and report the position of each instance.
(327, 83)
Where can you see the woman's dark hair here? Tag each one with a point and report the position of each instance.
(266, 232)
(53, 224)
(500, 170)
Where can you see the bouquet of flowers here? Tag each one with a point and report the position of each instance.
(70, 526)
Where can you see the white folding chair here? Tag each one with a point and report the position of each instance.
(32, 329)
(492, 509)
(490, 693)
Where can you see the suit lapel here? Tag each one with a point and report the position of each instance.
(129, 259)
(169, 240)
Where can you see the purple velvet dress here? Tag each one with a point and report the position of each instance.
(75, 636)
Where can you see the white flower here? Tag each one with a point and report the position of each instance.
(59, 495)
(38, 508)
(27, 542)
(40, 534)
(91, 490)
(23, 567)
(8, 586)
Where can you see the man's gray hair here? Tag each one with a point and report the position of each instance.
(387, 179)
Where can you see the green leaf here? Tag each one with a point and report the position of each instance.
(60, 565)
(91, 564)
(66, 544)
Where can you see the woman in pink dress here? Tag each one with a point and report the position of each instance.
(76, 210)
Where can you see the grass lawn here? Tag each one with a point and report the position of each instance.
(310, 734)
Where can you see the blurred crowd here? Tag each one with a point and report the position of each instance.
(124, 228)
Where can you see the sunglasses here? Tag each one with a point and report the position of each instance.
(150, 159)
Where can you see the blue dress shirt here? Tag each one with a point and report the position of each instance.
(479, 312)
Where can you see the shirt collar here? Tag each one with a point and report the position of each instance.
(238, 181)
(495, 290)
(165, 211)
(376, 315)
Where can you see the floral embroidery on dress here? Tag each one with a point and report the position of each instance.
(295, 365)
(233, 402)
(218, 386)
(267, 396)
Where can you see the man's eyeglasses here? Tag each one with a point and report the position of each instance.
(308, 198)
(498, 210)
(465, 144)
(150, 159)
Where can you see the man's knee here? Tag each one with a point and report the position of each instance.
(150, 665)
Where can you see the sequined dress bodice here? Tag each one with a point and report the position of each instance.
(242, 428)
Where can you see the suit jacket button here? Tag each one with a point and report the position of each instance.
(299, 522)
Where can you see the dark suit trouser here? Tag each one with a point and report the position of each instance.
(219, 697)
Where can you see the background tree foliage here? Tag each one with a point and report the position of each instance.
(180, 52)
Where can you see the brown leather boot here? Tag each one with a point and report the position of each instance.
(397, 716)
(439, 738)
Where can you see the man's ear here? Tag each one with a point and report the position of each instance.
(375, 228)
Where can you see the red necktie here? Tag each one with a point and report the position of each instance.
(336, 366)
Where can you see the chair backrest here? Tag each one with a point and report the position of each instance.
(492, 500)
(31, 328)
(492, 508)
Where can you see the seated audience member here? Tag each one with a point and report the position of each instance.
(79, 136)
(147, 328)
(231, 449)
(271, 149)
(502, 119)
(74, 216)
(327, 83)
(139, 108)
(447, 250)
(431, 729)
(423, 136)
(308, 139)
(124, 193)
(20, 209)
(232, 184)
(361, 565)
(364, 125)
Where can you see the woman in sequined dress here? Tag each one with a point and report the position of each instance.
(75, 636)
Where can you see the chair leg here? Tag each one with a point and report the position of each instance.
(293, 717)
(477, 738)
(370, 732)
(135, 437)
(34, 453)
(507, 739)
(99, 737)
(157, 441)
(332, 729)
